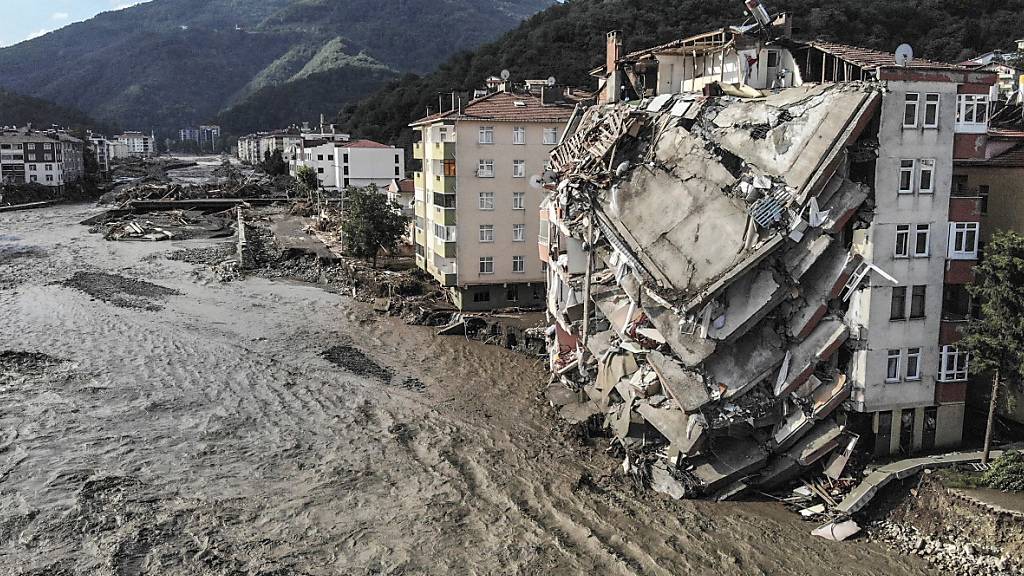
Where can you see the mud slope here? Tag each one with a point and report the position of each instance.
(264, 427)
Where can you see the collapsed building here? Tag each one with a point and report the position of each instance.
(748, 241)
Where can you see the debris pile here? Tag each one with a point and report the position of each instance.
(950, 555)
(703, 254)
(163, 225)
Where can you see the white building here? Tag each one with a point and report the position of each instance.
(53, 158)
(137, 144)
(356, 163)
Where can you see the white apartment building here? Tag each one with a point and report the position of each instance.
(355, 163)
(52, 158)
(477, 197)
(137, 144)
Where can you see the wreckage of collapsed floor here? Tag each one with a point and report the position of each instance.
(718, 233)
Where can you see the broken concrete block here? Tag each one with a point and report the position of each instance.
(675, 426)
(837, 531)
(727, 460)
(820, 345)
(821, 440)
(662, 481)
(744, 363)
(686, 387)
(795, 425)
(747, 301)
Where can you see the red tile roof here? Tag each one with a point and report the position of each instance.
(407, 185)
(362, 144)
(505, 107)
(1012, 158)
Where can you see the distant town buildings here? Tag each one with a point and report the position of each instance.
(206, 138)
(1010, 68)
(51, 158)
(254, 148)
(477, 195)
(137, 144)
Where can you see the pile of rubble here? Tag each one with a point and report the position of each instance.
(162, 225)
(949, 555)
(704, 253)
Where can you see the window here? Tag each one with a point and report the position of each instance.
(330, 157)
(397, 161)
(519, 264)
(31, 167)
(971, 109)
(922, 232)
(487, 265)
(953, 365)
(320, 157)
(519, 232)
(773, 58)
(913, 363)
(344, 158)
(926, 177)
(910, 109)
(319, 170)
(931, 110)
(907, 176)
(898, 307)
(519, 135)
(344, 170)
(519, 200)
(487, 200)
(550, 136)
(483, 295)
(49, 177)
(519, 168)
(444, 233)
(487, 134)
(983, 194)
(902, 241)
(396, 171)
(963, 240)
(892, 366)
(487, 232)
(448, 167)
(917, 299)
(485, 169)
(33, 178)
(512, 293)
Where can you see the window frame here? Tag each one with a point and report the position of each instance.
(926, 165)
(485, 263)
(898, 294)
(519, 200)
(519, 135)
(958, 234)
(481, 197)
(890, 368)
(927, 229)
(918, 294)
(909, 171)
(485, 135)
(519, 168)
(934, 105)
(909, 103)
(519, 232)
(521, 260)
(554, 136)
(486, 234)
(905, 234)
(485, 168)
(950, 369)
(914, 353)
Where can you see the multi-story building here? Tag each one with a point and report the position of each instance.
(137, 144)
(475, 204)
(52, 158)
(777, 219)
(344, 163)
(206, 137)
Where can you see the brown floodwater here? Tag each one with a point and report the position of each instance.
(154, 421)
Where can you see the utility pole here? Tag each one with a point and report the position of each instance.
(991, 418)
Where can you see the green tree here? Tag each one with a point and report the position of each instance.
(307, 180)
(273, 163)
(370, 223)
(996, 340)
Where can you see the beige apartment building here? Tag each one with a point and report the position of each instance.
(476, 197)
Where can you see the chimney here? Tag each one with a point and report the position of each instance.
(613, 53)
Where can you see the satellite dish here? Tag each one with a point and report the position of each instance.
(505, 74)
(904, 55)
(536, 181)
(551, 80)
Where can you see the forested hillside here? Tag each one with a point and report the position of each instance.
(18, 110)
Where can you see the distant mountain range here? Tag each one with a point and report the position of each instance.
(170, 63)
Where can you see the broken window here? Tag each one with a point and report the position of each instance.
(487, 265)
(519, 264)
(953, 365)
(519, 135)
(910, 109)
(983, 194)
(486, 201)
(485, 169)
(854, 281)
(487, 232)
(922, 232)
(963, 240)
(926, 176)
(519, 200)
(519, 168)
(906, 176)
(902, 241)
(512, 293)
(917, 299)
(519, 232)
(931, 110)
(487, 134)
(898, 307)
(892, 366)
(913, 363)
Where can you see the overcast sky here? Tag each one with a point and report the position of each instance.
(24, 19)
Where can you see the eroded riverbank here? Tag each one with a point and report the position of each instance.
(230, 429)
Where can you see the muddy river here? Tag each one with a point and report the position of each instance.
(155, 422)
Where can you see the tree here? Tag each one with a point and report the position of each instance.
(995, 341)
(370, 223)
(273, 163)
(308, 182)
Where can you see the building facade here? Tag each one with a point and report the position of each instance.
(137, 144)
(356, 163)
(51, 158)
(476, 197)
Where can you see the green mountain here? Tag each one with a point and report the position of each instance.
(568, 39)
(168, 63)
(18, 110)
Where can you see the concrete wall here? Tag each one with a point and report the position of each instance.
(891, 210)
(469, 217)
(529, 295)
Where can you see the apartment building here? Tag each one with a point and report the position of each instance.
(783, 257)
(205, 137)
(137, 144)
(51, 158)
(340, 164)
(476, 197)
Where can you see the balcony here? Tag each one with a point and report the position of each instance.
(444, 184)
(417, 150)
(446, 272)
(445, 216)
(420, 211)
(417, 180)
(443, 151)
(444, 249)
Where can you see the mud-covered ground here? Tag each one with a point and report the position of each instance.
(154, 424)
